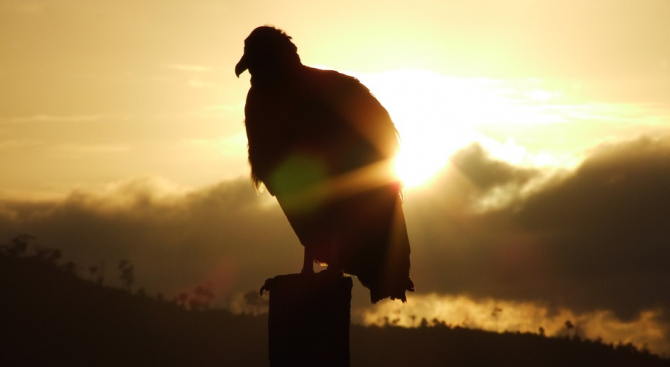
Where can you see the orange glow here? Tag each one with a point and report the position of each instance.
(512, 316)
(130, 113)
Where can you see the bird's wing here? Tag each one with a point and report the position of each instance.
(359, 130)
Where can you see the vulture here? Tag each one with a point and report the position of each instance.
(323, 145)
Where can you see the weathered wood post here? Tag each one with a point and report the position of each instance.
(309, 320)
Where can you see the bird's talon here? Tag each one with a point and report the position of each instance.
(266, 286)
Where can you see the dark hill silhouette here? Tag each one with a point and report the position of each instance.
(51, 317)
(444, 346)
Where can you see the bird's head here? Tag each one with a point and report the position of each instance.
(268, 53)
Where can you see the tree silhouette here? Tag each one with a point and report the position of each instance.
(496, 315)
(93, 270)
(69, 267)
(127, 273)
(48, 255)
(255, 302)
(97, 272)
(201, 297)
(18, 247)
(181, 299)
(569, 326)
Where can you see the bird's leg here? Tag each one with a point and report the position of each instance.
(334, 265)
(308, 262)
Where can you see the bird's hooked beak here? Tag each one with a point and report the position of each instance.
(241, 66)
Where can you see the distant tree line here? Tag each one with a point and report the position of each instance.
(24, 246)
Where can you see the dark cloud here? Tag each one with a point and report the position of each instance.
(485, 172)
(605, 227)
(224, 234)
(595, 238)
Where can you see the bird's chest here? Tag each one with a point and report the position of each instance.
(289, 120)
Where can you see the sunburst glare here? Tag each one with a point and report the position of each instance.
(437, 115)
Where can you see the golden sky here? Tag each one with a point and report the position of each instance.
(97, 91)
(525, 124)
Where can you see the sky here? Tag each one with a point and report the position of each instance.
(535, 150)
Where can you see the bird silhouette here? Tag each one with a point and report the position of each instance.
(323, 145)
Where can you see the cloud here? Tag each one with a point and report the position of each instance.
(94, 148)
(191, 68)
(604, 228)
(487, 173)
(587, 243)
(176, 238)
(19, 143)
(53, 118)
(199, 83)
(647, 329)
(594, 238)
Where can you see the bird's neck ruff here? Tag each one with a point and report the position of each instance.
(277, 76)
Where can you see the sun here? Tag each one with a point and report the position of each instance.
(410, 174)
(437, 115)
(429, 133)
(416, 167)
(424, 153)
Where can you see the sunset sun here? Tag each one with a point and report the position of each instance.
(436, 115)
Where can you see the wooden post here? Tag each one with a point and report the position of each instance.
(309, 320)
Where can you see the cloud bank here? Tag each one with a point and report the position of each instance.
(593, 240)
(588, 239)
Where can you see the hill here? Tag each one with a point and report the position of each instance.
(51, 317)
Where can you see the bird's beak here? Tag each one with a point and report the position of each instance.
(241, 66)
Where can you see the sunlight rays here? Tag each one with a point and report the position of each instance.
(436, 115)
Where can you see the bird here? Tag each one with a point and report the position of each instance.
(323, 146)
